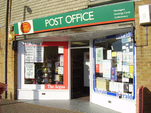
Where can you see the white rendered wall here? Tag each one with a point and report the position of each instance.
(91, 67)
(29, 94)
(114, 103)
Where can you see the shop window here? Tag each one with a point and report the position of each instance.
(114, 66)
(45, 64)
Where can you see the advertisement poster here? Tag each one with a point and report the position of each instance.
(106, 68)
(109, 54)
(99, 55)
(29, 53)
(33, 52)
(114, 54)
(125, 68)
(60, 49)
(60, 70)
(61, 60)
(99, 68)
(119, 56)
(29, 70)
(38, 55)
(113, 73)
(119, 66)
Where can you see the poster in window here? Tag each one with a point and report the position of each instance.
(60, 49)
(106, 68)
(38, 54)
(113, 73)
(60, 70)
(33, 52)
(29, 53)
(119, 66)
(126, 87)
(125, 40)
(114, 54)
(99, 55)
(29, 70)
(128, 47)
(61, 60)
(119, 56)
(97, 70)
(109, 54)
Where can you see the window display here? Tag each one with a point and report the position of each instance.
(114, 65)
(43, 65)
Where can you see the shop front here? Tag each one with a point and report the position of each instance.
(114, 72)
(91, 52)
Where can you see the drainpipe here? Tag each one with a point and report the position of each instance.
(6, 40)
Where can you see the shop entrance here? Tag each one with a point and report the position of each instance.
(80, 73)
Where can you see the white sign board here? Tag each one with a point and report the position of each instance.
(60, 70)
(29, 70)
(33, 52)
(60, 49)
(38, 55)
(106, 68)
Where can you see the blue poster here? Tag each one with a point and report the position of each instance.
(113, 77)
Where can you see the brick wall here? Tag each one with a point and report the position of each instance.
(42, 8)
(11, 56)
(2, 37)
(2, 12)
(143, 56)
(11, 66)
(11, 72)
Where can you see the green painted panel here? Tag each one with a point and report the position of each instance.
(92, 16)
(16, 28)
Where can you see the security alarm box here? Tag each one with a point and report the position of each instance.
(145, 15)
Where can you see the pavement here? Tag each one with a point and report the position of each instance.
(10, 106)
(51, 106)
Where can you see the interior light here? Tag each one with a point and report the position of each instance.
(79, 43)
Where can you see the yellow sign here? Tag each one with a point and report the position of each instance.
(114, 54)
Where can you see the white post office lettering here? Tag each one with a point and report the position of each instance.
(79, 17)
(53, 21)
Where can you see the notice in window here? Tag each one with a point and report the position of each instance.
(99, 55)
(106, 68)
(109, 54)
(33, 52)
(61, 60)
(99, 68)
(113, 54)
(29, 70)
(29, 53)
(60, 49)
(38, 55)
(60, 70)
